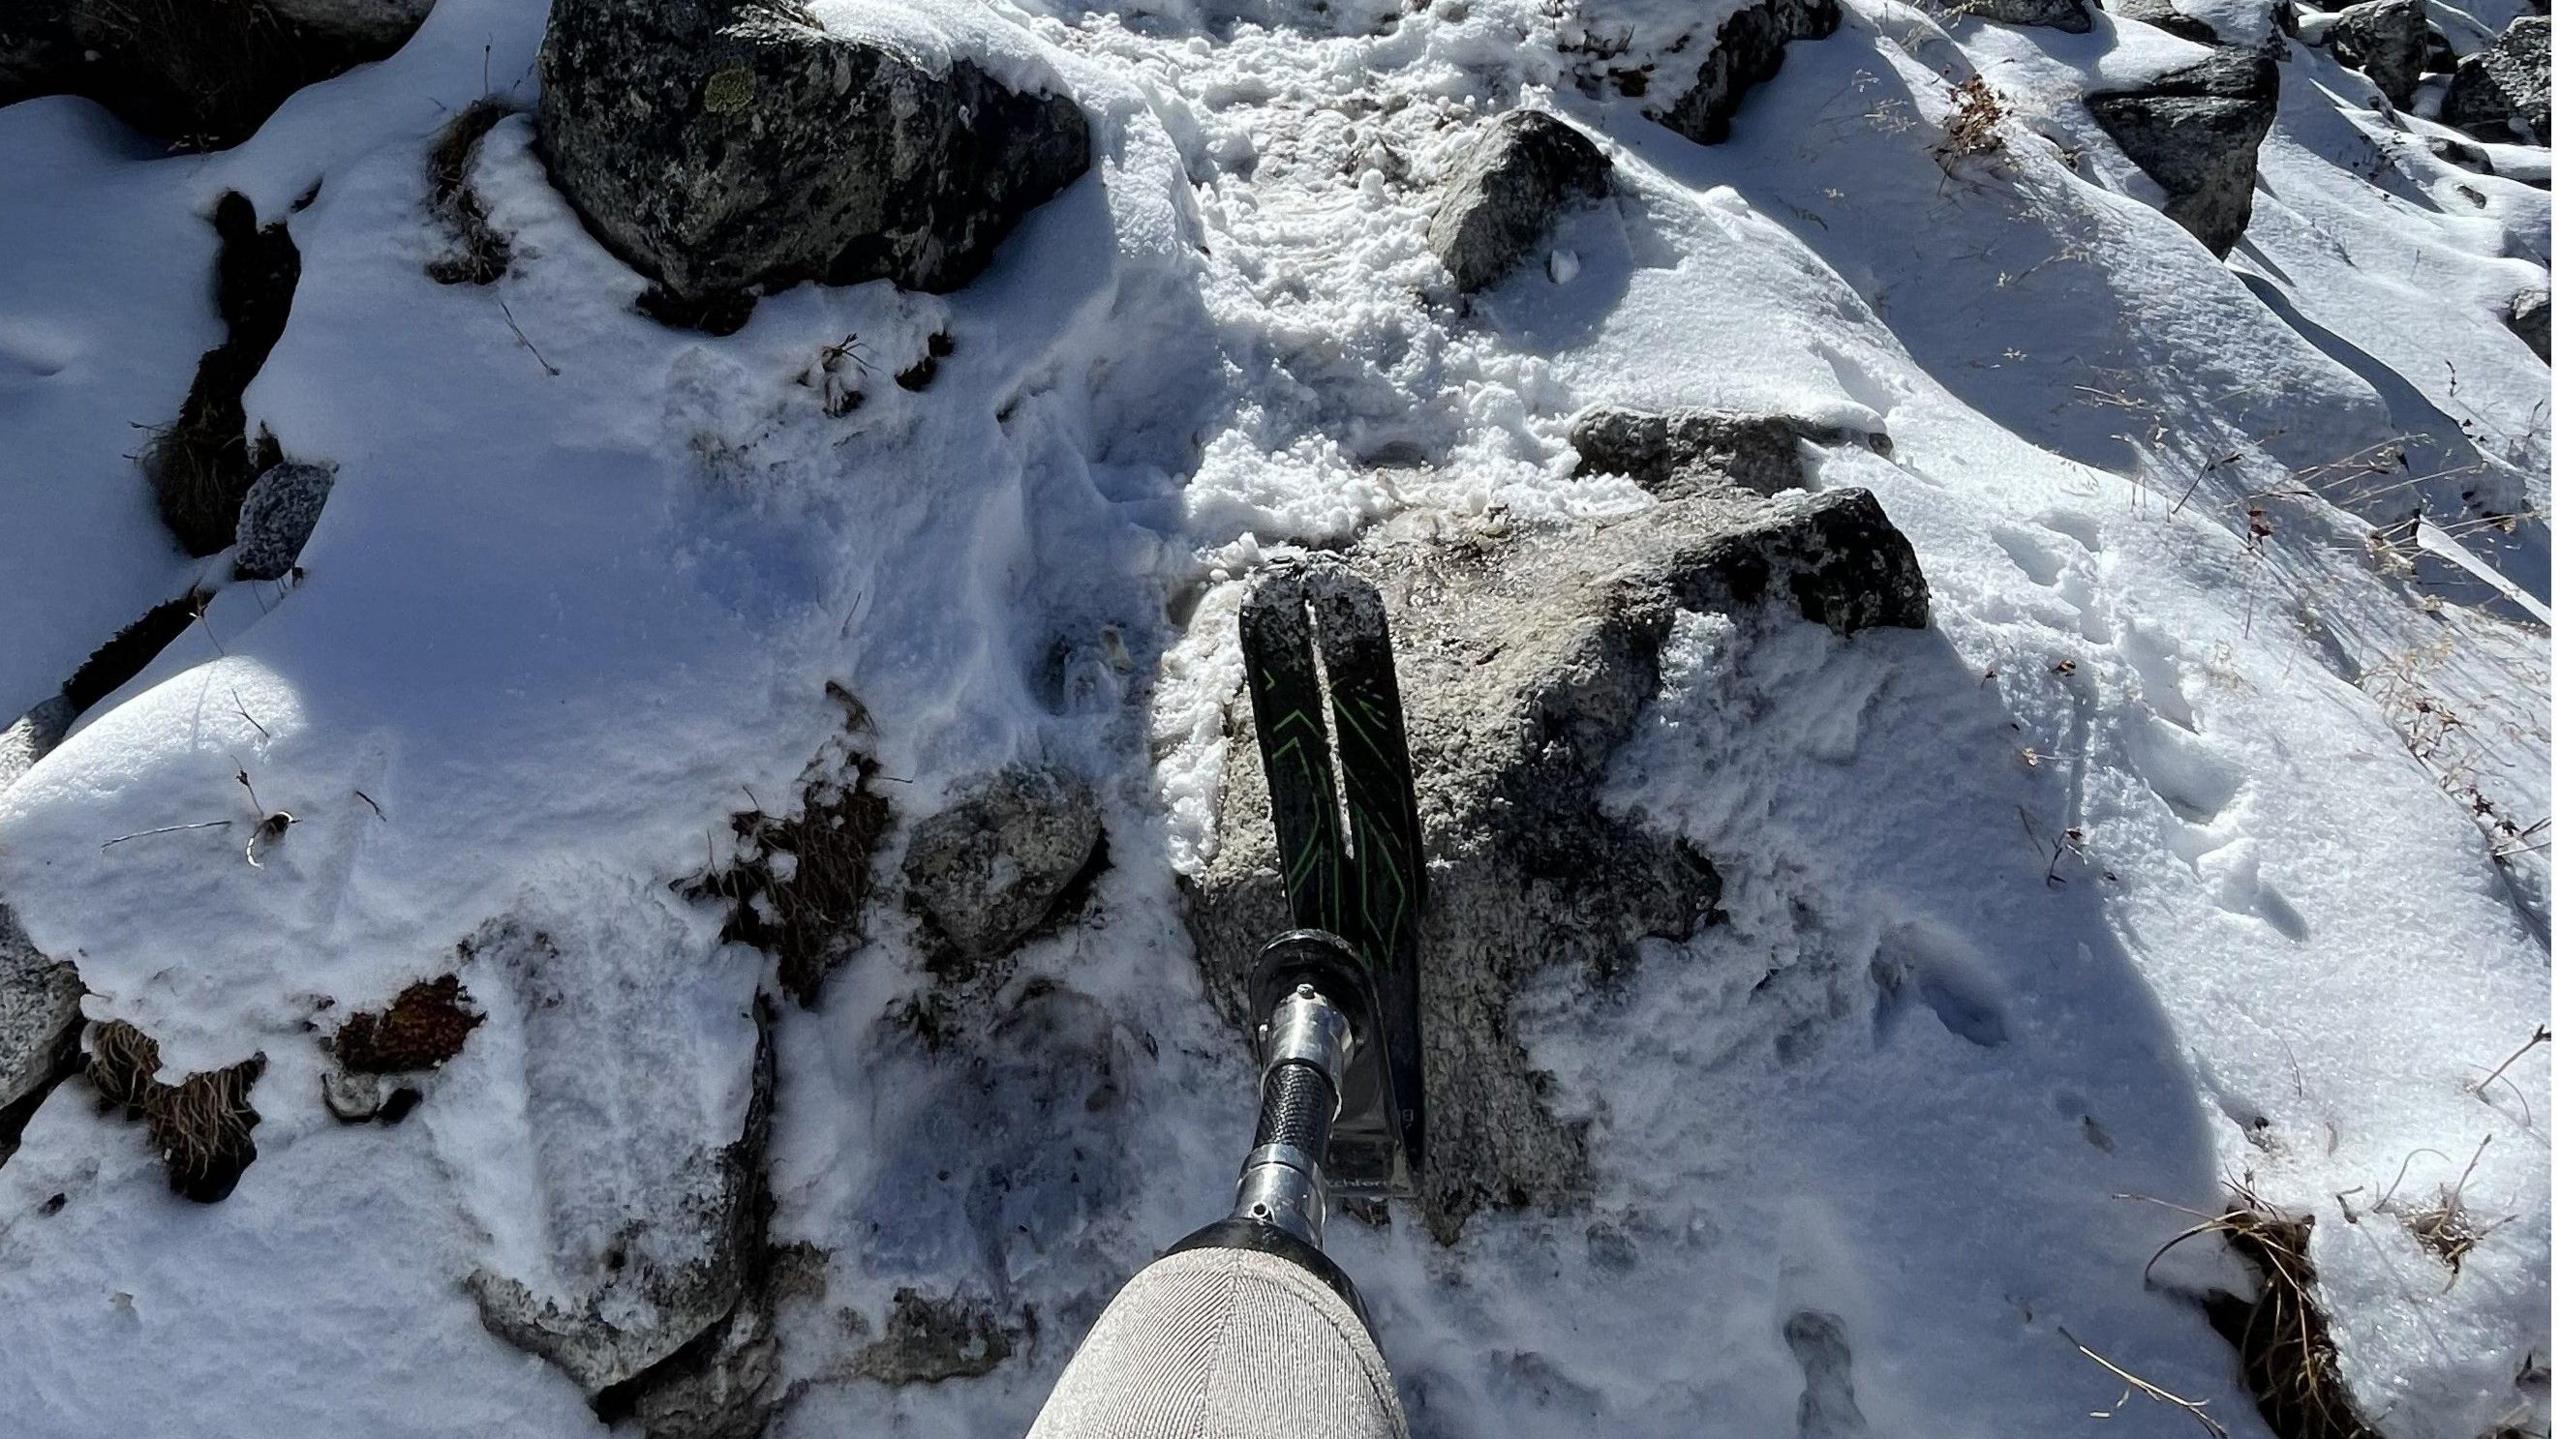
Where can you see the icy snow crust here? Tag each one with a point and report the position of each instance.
(564, 613)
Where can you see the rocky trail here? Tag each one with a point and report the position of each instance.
(634, 813)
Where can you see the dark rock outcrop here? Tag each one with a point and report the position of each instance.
(2504, 91)
(1525, 170)
(1749, 47)
(1685, 452)
(200, 73)
(2160, 14)
(2068, 16)
(2195, 131)
(277, 516)
(2387, 40)
(727, 146)
(2529, 315)
(994, 866)
(1526, 659)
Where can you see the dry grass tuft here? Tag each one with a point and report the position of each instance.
(201, 464)
(2447, 1227)
(479, 254)
(423, 1027)
(2286, 1354)
(201, 1124)
(1973, 126)
(205, 73)
(800, 891)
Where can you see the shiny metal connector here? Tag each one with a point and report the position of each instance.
(1306, 1048)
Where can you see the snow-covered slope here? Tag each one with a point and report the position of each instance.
(2197, 842)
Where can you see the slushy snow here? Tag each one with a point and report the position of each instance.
(2196, 843)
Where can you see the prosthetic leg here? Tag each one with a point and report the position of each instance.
(1247, 1328)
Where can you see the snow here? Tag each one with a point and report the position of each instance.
(583, 579)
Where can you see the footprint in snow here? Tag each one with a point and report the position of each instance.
(1912, 966)
(1829, 1409)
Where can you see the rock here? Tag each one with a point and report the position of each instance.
(1523, 172)
(378, 25)
(1685, 452)
(1749, 47)
(2505, 90)
(2068, 16)
(2195, 131)
(39, 1028)
(204, 73)
(650, 1207)
(2460, 152)
(2529, 315)
(2160, 14)
(726, 145)
(720, 1387)
(1526, 658)
(33, 737)
(928, 1340)
(988, 870)
(277, 517)
(2387, 40)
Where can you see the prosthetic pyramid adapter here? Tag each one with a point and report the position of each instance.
(1247, 1327)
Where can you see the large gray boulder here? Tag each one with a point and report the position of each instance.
(39, 1028)
(1748, 49)
(277, 517)
(2505, 90)
(723, 146)
(2195, 131)
(1526, 657)
(2387, 40)
(2069, 16)
(202, 73)
(992, 867)
(1526, 169)
(1677, 453)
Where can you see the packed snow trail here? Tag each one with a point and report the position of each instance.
(2121, 880)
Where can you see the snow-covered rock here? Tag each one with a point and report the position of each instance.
(2504, 90)
(2195, 130)
(721, 146)
(2388, 40)
(32, 735)
(1680, 452)
(277, 516)
(1749, 47)
(2166, 16)
(2529, 315)
(990, 868)
(39, 1026)
(197, 73)
(641, 1153)
(1525, 657)
(1518, 178)
(377, 25)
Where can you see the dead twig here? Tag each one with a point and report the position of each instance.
(2136, 1384)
